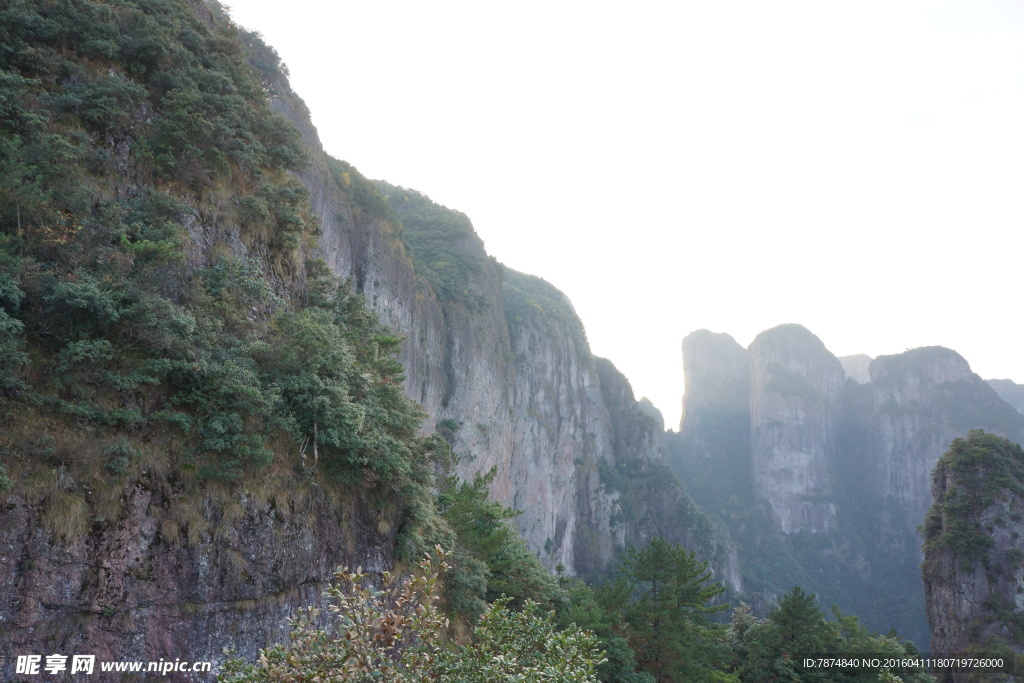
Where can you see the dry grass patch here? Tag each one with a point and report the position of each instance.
(66, 515)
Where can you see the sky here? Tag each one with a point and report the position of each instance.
(855, 167)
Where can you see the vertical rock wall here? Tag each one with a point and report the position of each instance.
(796, 389)
(511, 382)
(974, 544)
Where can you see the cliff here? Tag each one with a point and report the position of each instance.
(973, 544)
(822, 475)
(1009, 391)
(174, 578)
(921, 400)
(712, 448)
(175, 354)
(795, 395)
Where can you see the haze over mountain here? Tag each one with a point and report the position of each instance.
(731, 166)
(823, 480)
(230, 363)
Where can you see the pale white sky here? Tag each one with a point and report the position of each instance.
(856, 167)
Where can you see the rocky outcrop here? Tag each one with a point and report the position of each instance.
(717, 380)
(172, 578)
(712, 448)
(922, 399)
(796, 387)
(974, 542)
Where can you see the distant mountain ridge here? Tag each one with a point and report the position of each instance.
(828, 475)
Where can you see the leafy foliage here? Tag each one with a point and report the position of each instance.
(668, 617)
(974, 472)
(530, 299)
(491, 558)
(394, 632)
(774, 648)
(444, 247)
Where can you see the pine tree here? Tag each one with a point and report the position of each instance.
(668, 620)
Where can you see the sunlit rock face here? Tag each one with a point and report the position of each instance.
(794, 406)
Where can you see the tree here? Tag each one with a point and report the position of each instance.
(393, 632)
(485, 535)
(310, 364)
(773, 649)
(798, 617)
(668, 619)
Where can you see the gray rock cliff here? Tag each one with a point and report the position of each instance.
(509, 380)
(796, 387)
(1009, 391)
(841, 463)
(974, 542)
(513, 372)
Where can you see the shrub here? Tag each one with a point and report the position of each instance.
(394, 632)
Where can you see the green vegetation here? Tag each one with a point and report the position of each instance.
(533, 300)
(773, 649)
(160, 318)
(445, 249)
(973, 474)
(491, 558)
(394, 632)
(668, 617)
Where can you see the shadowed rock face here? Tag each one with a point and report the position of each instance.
(796, 387)
(1009, 391)
(141, 588)
(844, 459)
(714, 433)
(717, 379)
(921, 400)
(974, 541)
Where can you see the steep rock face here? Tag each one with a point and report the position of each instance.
(1009, 391)
(559, 424)
(796, 389)
(148, 585)
(922, 400)
(505, 372)
(846, 460)
(713, 444)
(974, 542)
(717, 379)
